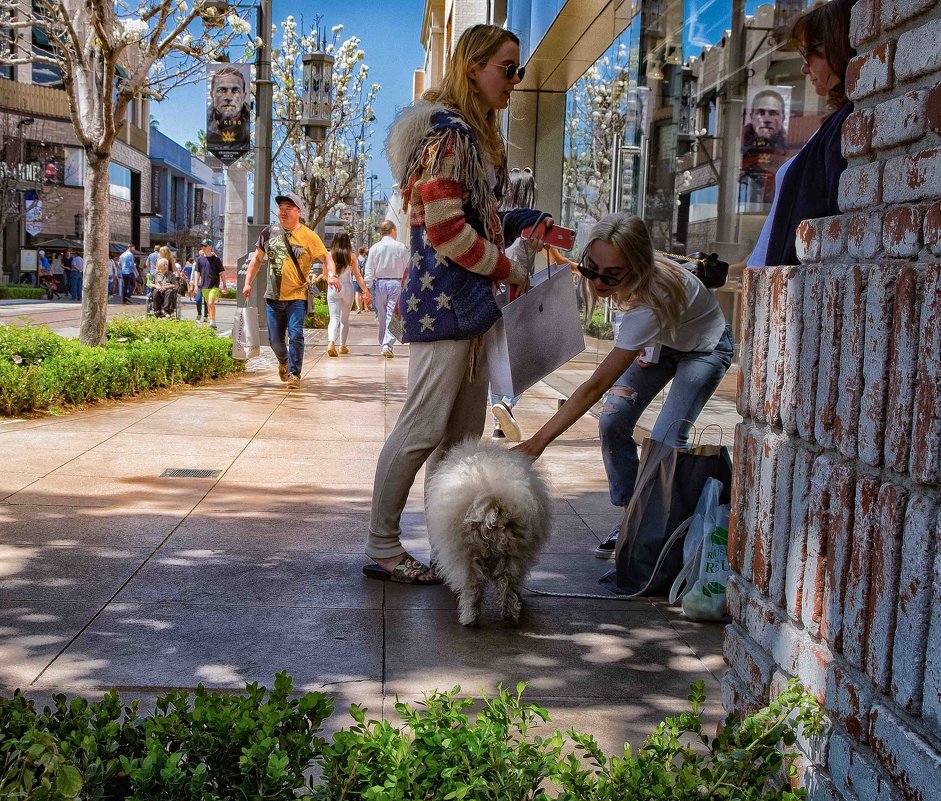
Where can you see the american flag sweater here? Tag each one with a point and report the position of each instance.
(455, 234)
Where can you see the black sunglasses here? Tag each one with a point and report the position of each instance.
(511, 70)
(592, 275)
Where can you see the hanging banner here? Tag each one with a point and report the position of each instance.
(33, 217)
(764, 140)
(228, 115)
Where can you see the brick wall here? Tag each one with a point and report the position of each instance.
(835, 532)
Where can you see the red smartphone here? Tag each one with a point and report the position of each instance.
(558, 236)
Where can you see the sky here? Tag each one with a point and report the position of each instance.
(706, 20)
(390, 39)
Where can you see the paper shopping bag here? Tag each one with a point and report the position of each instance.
(245, 334)
(538, 332)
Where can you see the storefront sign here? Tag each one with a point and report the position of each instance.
(21, 173)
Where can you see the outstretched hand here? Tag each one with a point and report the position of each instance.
(528, 448)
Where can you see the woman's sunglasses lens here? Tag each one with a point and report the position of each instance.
(512, 70)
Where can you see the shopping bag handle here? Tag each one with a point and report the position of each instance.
(676, 535)
(706, 428)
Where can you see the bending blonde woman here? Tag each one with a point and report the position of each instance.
(665, 308)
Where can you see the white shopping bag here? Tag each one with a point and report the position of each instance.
(539, 332)
(245, 334)
(701, 584)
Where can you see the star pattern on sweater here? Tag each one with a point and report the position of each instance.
(439, 259)
(443, 301)
(427, 323)
(411, 303)
(458, 121)
(416, 259)
(427, 281)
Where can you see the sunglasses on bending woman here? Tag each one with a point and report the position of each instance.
(591, 275)
(511, 70)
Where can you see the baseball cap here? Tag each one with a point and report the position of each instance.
(293, 197)
(207, 242)
(42, 253)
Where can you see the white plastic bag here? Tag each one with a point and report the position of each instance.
(701, 584)
(245, 334)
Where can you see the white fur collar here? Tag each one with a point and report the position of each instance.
(406, 134)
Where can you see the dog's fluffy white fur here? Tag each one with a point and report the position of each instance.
(489, 513)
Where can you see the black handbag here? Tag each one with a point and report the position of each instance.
(707, 267)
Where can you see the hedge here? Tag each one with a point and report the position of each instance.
(216, 746)
(39, 369)
(19, 292)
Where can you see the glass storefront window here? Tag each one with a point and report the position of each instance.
(120, 180)
(44, 74)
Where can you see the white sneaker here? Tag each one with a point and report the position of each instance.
(212, 324)
(388, 354)
(507, 421)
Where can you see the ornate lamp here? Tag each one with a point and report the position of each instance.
(317, 95)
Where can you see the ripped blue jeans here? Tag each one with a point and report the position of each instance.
(696, 376)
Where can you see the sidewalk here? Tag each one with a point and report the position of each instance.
(113, 576)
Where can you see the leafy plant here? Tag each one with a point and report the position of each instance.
(320, 317)
(22, 293)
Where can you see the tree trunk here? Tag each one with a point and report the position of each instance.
(97, 237)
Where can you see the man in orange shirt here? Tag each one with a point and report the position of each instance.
(290, 248)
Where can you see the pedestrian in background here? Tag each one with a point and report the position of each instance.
(128, 264)
(211, 278)
(340, 301)
(290, 248)
(151, 269)
(77, 276)
(67, 271)
(361, 304)
(387, 263)
(58, 277)
(112, 277)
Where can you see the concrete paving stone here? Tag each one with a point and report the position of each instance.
(597, 502)
(704, 637)
(75, 572)
(283, 426)
(32, 633)
(282, 530)
(560, 652)
(57, 525)
(343, 472)
(601, 524)
(140, 646)
(254, 578)
(133, 494)
(302, 497)
(14, 482)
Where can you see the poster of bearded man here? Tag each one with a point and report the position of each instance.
(228, 115)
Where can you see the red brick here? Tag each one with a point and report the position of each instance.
(852, 338)
(818, 527)
(733, 597)
(916, 176)
(933, 108)
(738, 495)
(914, 603)
(870, 72)
(735, 695)
(764, 516)
(753, 446)
(864, 22)
(747, 326)
(756, 392)
(903, 357)
(925, 463)
(781, 526)
(809, 352)
(880, 295)
(857, 134)
(749, 661)
(849, 698)
(884, 584)
(932, 232)
(913, 764)
(918, 52)
(931, 691)
(809, 241)
(901, 231)
(832, 237)
(839, 553)
(899, 120)
(861, 186)
(828, 366)
(864, 236)
(797, 544)
(855, 612)
(790, 353)
(777, 331)
(763, 621)
(855, 773)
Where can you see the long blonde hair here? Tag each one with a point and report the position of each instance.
(476, 46)
(652, 281)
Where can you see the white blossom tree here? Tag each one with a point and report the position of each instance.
(326, 174)
(108, 53)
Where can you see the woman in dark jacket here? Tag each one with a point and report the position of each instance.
(808, 184)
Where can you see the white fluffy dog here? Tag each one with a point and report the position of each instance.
(489, 513)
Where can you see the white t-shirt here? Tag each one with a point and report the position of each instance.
(700, 328)
(387, 259)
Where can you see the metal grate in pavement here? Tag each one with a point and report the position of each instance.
(188, 472)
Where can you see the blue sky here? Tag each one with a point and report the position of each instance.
(390, 39)
(705, 21)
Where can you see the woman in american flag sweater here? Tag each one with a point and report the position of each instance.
(448, 155)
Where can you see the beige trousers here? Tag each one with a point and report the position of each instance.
(441, 408)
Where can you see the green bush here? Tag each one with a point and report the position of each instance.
(210, 746)
(39, 369)
(21, 292)
(321, 316)
(597, 327)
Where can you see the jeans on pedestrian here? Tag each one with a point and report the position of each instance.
(495, 399)
(286, 319)
(340, 304)
(128, 280)
(696, 376)
(75, 284)
(385, 298)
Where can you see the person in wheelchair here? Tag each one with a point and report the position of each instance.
(164, 292)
